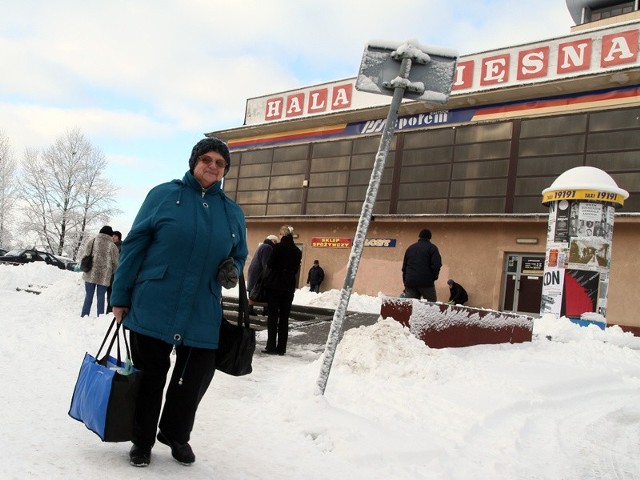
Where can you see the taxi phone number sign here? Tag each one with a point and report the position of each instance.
(593, 195)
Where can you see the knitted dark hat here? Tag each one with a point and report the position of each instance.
(426, 233)
(107, 229)
(211, 144)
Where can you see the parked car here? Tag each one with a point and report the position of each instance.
(69, 263)
(21, 256)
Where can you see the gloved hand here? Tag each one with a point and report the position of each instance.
(228, 274)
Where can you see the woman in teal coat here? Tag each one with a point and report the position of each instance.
(187, 241)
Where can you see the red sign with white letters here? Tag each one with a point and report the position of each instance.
(534, 62)
(315, 101)
(590, 52)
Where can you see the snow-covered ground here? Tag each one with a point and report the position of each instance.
(565, 408)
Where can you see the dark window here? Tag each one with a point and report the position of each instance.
(422, 190)
(477, 205)
(325, 208)
(287, 181)
(551, 145)
(483, 133)
(611, 11)
(425, 174)
(286, 168)
(488, 168)
(547, 165)
(332, 149)
(429, 138)
(482, 151)
(330, 164)
(427, 156)
(327, 194)
(466, 169)
(552, 126)
(422, 206)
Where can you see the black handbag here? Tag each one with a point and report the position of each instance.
(86, 264)
(258, 293)
(106, 391)
(237, 341)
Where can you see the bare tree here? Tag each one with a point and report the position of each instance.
(8, 189)
(65, 192)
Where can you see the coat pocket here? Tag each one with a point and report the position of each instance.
(152, 273)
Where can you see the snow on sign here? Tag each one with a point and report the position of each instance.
(430, 77)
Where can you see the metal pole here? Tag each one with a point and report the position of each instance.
(363, 226)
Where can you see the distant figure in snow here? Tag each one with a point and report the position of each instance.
(315, 277)
(458, 295)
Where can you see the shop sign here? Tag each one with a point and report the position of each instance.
(331, 242)
(380, 242)
(532, 265)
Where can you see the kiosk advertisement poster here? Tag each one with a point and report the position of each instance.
(561, 222)
(553, 282)
(581, 292)
(590, 257)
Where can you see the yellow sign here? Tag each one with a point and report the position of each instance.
(593, 195)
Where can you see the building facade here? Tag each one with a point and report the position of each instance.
(472, 170)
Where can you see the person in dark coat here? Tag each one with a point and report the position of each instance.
(315, 277)
(283, 265)
(187, 242)
(259, 264)
(457, 293)
(421, 267)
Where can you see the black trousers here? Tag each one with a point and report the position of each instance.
(428, 293)
(279, 305)
(193, 371)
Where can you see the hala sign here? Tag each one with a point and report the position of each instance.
(595, 51)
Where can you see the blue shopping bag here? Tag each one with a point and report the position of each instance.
(105, 394)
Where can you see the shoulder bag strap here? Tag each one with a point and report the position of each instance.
(243, 303)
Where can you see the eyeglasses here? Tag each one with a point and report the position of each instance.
(208, 161)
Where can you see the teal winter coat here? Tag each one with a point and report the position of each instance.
(169, 262)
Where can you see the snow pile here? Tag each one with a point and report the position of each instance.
(384, 347)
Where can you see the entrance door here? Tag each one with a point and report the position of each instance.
(522, 282)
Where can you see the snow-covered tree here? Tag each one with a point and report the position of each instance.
(65, 192)
(8, 187)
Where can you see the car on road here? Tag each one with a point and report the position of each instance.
(21, 256)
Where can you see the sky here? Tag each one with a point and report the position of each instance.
(145, 80)
(563, 406)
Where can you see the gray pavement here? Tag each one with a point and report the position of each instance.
(308, 326)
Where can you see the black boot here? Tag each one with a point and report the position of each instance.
(139, 456)
(180, 451)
